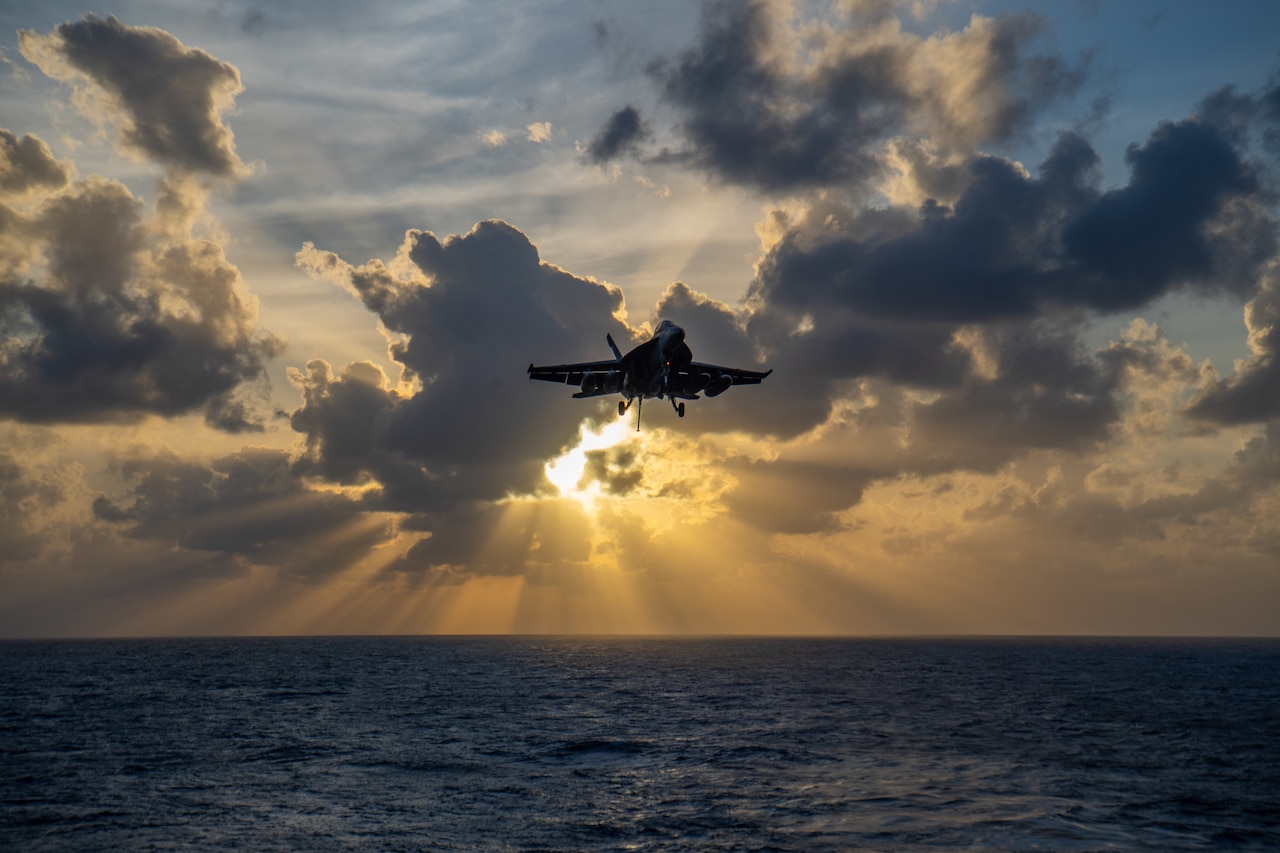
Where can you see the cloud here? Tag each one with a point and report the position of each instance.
(247, 504)
(621, 135)
(939, 334)
(108, 311)
(539, 132)
(956, 329)
(1252, 393)
(777, 104)
(472, 311)
(27, 170)
(166, 98)
(27, 165)
(25, 496)
(1014, 245)
(342, 418)
(938, 409)
(126, 319)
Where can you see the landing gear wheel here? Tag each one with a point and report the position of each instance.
(680, 410)
(622, 408)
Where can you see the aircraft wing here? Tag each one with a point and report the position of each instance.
(571, 374)
(736, 375)
(711, 379)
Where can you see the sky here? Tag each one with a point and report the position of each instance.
(271, 274)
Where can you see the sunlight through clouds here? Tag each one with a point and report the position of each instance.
(568, 471)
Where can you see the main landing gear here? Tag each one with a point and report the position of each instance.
(624, 405)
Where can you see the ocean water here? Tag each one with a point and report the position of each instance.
(639, 744)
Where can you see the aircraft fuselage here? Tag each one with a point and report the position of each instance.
(662, 366)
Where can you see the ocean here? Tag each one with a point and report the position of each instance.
(595, 744)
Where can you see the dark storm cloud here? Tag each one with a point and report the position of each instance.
(1015, 245)
(248, 503)
(26, 164)
(753, 114)
(1133, 244)
(168, 98)
(620, 136)
(118, 326)
(476, 310)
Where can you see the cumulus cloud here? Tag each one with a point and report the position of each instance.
(27, 165)
(167, 99)
(538, 131)
(110, 311)
(948, 336)
(472, 311)
(1252, 393)
(1014, 245)
(1018, 260)
(124, 321)
(778, 104)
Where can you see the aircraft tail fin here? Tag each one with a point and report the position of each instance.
(616, 353)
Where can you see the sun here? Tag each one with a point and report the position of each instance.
(567, 471)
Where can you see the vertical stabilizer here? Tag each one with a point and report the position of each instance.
(616, 353)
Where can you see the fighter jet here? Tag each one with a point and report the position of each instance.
(662, 366)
